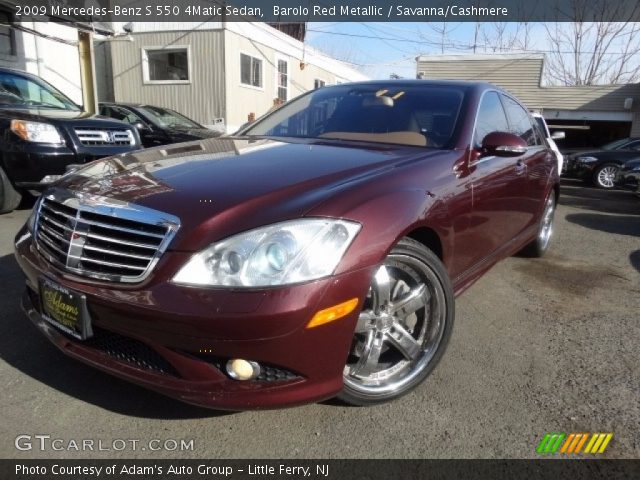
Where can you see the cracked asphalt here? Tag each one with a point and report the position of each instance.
(547, 345)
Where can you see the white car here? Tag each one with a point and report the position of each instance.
(551, 138)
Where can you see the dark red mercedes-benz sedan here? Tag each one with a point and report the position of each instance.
(315, 254)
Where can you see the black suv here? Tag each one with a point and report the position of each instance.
(42, 132)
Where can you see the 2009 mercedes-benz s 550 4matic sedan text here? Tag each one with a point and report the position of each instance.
(315, 254)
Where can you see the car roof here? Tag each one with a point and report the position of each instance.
(125, 104)
(12, 70)
(419, 82)
(19, 72)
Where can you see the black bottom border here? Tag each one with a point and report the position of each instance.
(319, 469)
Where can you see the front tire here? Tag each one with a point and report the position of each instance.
(605, 175)
(403, 328)
(9, 197)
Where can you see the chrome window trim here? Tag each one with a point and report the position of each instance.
(117, 209)
(483, 160)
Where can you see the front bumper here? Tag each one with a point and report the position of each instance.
(576, 169)
(175, 340)
(628, 179)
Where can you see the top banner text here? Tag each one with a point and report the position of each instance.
(286, 11)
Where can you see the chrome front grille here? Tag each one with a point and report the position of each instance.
(93, 238)
(92, 136)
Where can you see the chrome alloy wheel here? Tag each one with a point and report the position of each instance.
(399, 330)
(606, 176)
(546, 226)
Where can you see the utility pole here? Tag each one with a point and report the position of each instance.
(87, 72)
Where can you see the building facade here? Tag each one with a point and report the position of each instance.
(46, 49)
(590, 115)
(218, 74)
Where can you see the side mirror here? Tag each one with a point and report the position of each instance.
(503, 144)
(558, 135)
(141, 127)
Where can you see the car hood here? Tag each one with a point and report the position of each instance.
(598, 153)
(221, 186)
(196, 133)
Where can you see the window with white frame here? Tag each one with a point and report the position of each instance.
(250, 70)
(166, 65)
(283, 79)
(7, 37)
(317, 83)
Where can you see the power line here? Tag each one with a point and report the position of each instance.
(463, 46)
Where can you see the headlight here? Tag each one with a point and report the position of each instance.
(36, 132)
(280, 254)
(587, 159)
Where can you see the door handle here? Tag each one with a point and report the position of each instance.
(521, 167)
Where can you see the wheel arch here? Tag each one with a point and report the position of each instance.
(421, 217)
(428, 237)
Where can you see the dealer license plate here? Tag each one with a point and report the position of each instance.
(65, 309)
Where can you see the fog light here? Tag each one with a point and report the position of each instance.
(239, 369)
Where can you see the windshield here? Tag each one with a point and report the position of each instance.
(418, 115)
(168, 118)
(615, 144)
(19, 91)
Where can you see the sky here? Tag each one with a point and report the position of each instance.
(382, 49)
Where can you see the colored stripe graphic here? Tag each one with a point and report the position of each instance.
(550, 443)
(572, 443)
(582, 442)
(598, 443)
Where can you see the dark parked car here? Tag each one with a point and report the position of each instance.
(629, 175)
(600, 166)
(156, 125)
(316, 254)
(43, 131)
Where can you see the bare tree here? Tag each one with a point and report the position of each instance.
(345, 52)
(592, 51)
(443, 31)
(503, 37)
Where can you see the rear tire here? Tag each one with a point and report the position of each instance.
(9, 197)
(605, 174)
(540, 245)
(403, 328)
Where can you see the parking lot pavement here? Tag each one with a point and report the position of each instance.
(539, 346)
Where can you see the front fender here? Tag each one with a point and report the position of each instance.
(386, 218)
